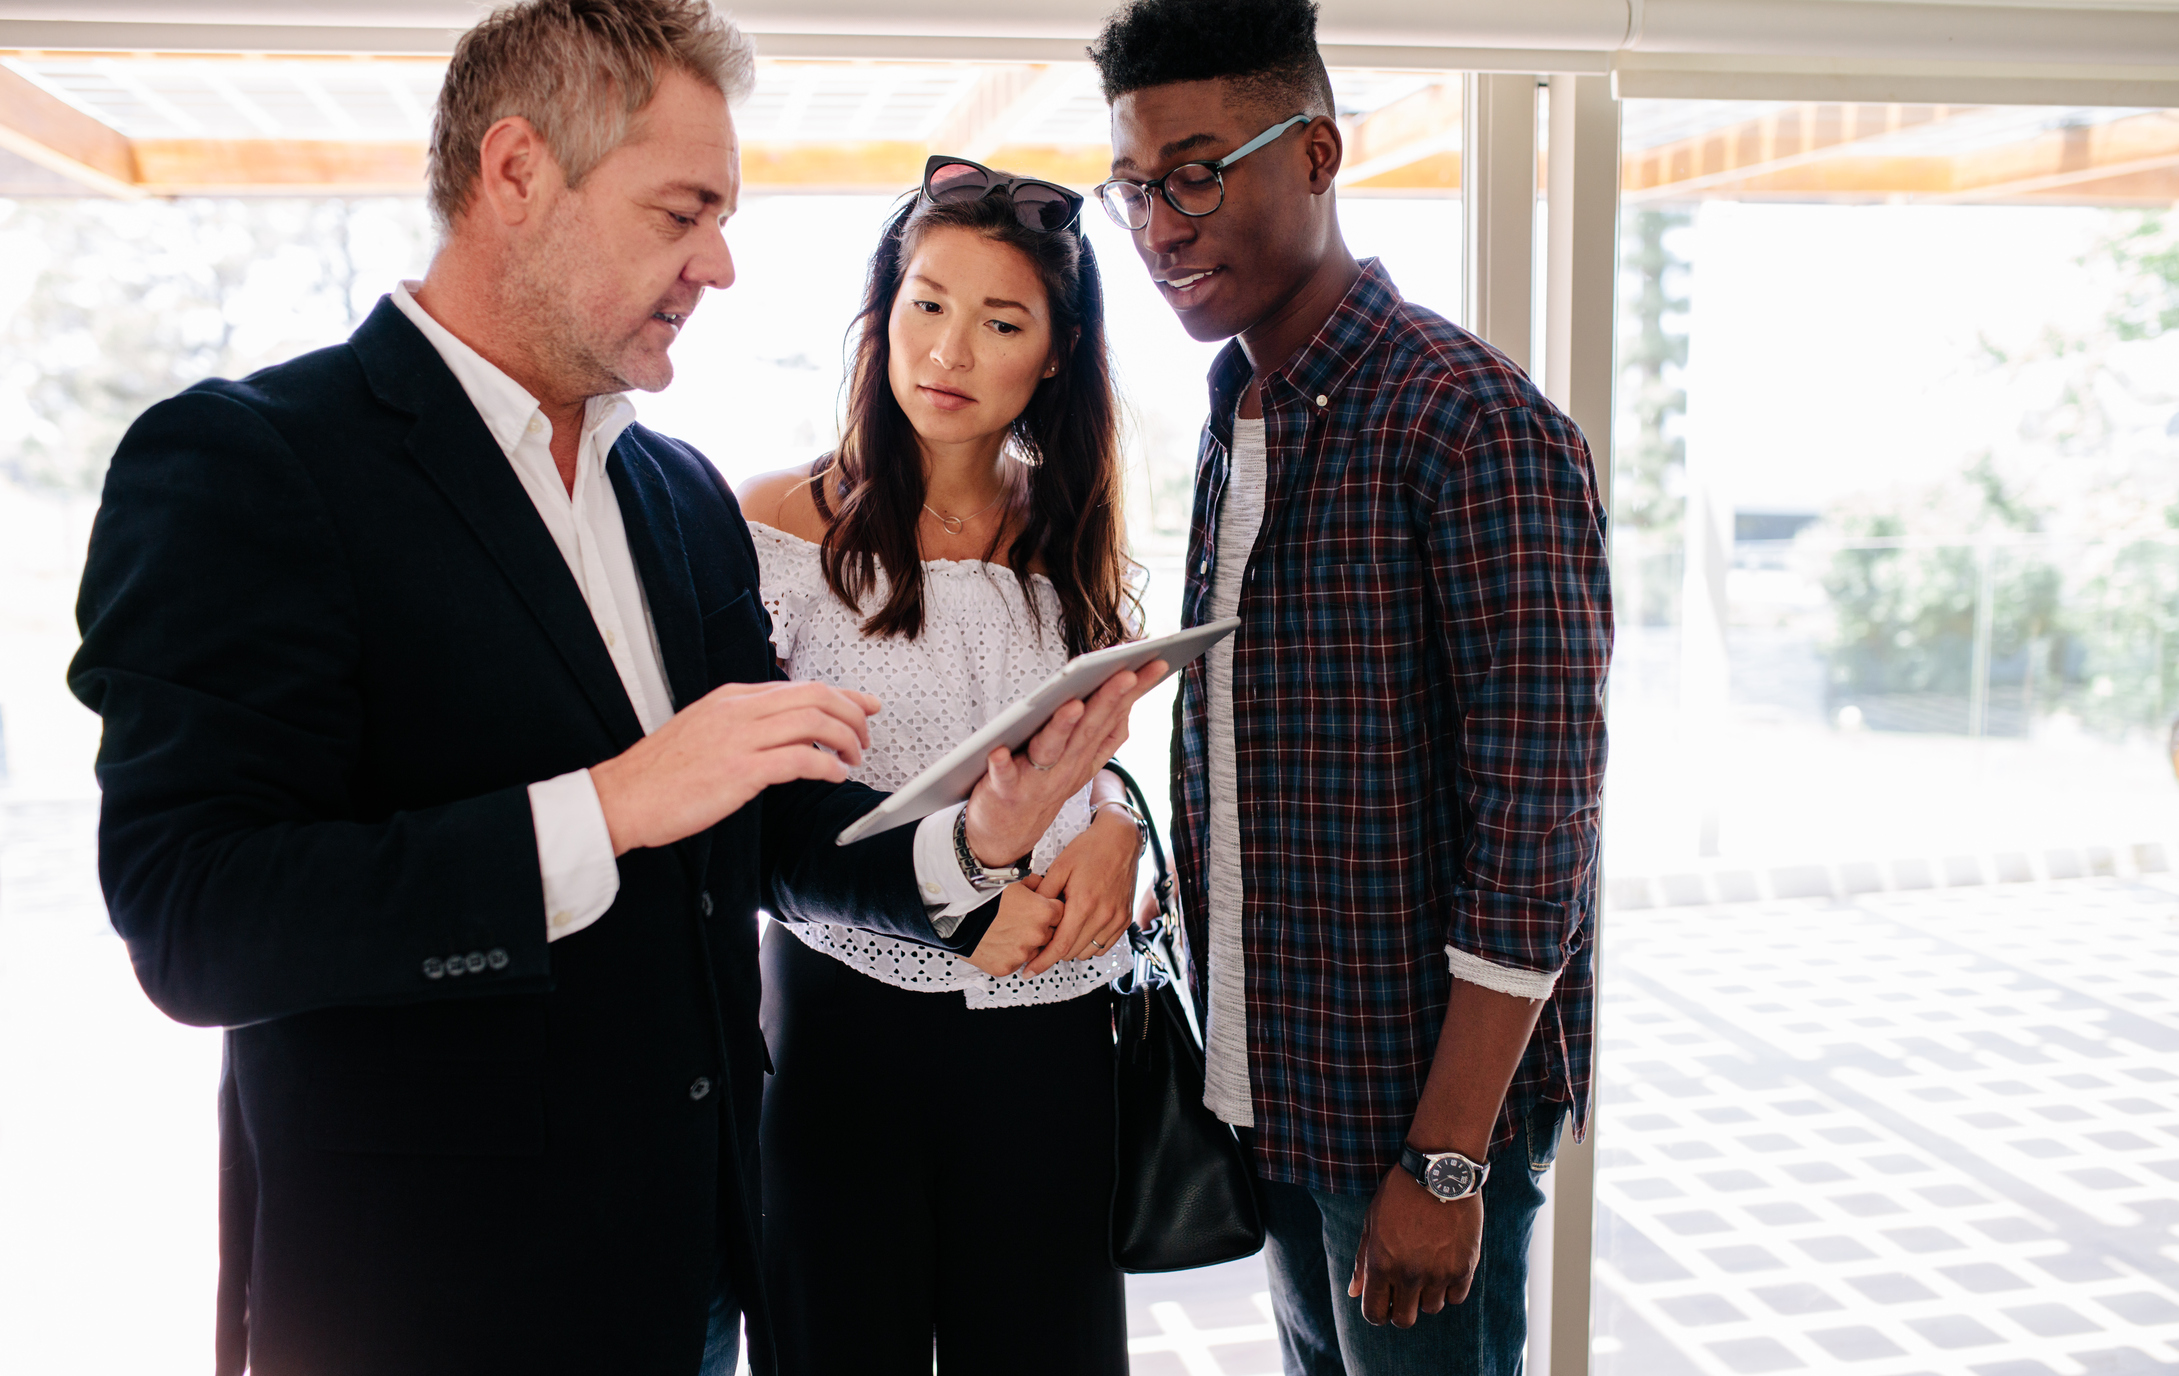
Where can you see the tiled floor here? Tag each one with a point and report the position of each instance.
(1914, 1134)
(1928, 1132)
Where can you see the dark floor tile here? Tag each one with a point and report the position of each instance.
(2120, 1361)
(2141, 1308)
(1699, 1311)
(1781, 1214)
(1754, 1355)
(1891, 1288)
(1769, 1142)
(1834, 1249)
(1816, 1172)
(1694, 1223)
(1732, 1182)
(1857, 1344)
(1637, 1258)
(1983, 1278)
(1740, 1260)
(1924, 1240)
(2009, 1229)
(1651, 1188)
(1898, 1163)
(1868, 1205)
(1798, 1298)
(2051, 1320)
(1953, 1332)
(2074, 1268)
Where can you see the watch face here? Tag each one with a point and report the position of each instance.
(1450, 1177)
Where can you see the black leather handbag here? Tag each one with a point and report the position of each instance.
(1183, 1195)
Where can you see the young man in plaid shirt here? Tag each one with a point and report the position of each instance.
(1385, 796)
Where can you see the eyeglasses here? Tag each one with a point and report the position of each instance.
(1195, 189)
(1040, 206)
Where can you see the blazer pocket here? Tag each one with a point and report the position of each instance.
(439, 1111)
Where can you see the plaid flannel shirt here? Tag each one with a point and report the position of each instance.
(1418, 690)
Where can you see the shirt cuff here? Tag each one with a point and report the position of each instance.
(947, 894)
(574, 853)
(1504, 979)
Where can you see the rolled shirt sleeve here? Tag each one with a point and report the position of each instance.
(1518, 569)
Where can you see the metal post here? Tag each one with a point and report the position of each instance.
(1498, 201)
(1978, 672)
(1581, 329)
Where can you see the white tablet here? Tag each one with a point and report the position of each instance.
(952, 779)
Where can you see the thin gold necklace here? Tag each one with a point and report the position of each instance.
(956, 524)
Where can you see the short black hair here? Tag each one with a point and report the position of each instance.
(1266, 48)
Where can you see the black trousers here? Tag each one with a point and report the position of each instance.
(936, 1175)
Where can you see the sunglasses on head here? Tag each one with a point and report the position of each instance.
(1041, 206)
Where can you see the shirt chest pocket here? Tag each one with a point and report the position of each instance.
(737, 646)
(1356, 636)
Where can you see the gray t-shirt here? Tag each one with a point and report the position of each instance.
(1240, 516)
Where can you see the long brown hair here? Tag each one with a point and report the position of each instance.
(1067, 438)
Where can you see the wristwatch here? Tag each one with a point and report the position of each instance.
(1446, 1174)
(981, 877)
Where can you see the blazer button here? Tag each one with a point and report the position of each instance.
(496, 958)
(434, 968)
(700, 1087)
(456, 966)
(703, 901)
(475, 961)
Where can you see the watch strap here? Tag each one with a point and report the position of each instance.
(981, 877)
(1417, 1164)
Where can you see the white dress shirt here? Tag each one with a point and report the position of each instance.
(574, 848)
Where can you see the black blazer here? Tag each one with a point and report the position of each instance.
(333, 644)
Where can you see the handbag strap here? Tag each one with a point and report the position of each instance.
(1156, 946)
(1162, 881)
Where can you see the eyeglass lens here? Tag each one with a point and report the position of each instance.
(1193, 189)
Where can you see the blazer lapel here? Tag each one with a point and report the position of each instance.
(655, 544)
(661, 558)
(452, 445)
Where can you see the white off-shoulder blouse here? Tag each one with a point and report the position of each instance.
(981, 648)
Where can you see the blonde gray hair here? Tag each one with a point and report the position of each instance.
(580, 71)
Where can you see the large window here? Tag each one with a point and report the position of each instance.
(107, 1133)
(1888, 1080)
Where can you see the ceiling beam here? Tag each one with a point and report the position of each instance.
(1418, 126)
(1816, 152)
(1774, 142)
(61, 138)
(204, 167)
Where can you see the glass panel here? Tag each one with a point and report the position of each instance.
(1888, 1072)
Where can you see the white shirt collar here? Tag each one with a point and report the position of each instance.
(504, 404)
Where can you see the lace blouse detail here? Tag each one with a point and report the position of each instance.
(979, 651)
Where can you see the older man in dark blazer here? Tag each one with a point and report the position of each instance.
(444, 767)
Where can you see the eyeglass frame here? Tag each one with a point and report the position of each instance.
(1217, 166)
(1002, 182)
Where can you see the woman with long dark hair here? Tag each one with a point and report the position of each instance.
(938, 1142)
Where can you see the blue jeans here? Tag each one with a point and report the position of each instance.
(722, 1333)
(1309, 1246)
